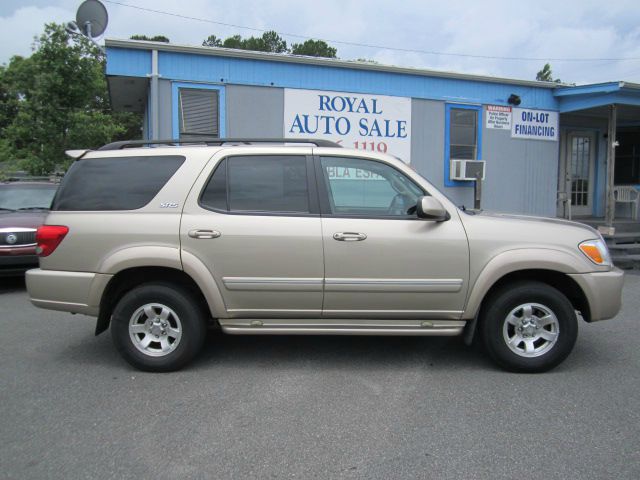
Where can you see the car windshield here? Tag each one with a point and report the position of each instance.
(26, 197)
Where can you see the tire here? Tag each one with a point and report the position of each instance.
(159, 327)
(528, 327)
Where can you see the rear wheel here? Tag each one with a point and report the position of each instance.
(529, 327)
(158, 327)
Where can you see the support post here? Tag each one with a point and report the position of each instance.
(477, 191)
(155, 100)
(611, 163)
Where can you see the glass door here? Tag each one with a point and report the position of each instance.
(580, 172)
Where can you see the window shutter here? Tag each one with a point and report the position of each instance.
(198, 113)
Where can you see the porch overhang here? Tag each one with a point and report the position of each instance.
(595, 98)
(619, 103)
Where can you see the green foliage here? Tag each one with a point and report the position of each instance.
(56, 100)
(212, 41)
(314, 48)
(234, 42)
(273, 43)
(546, 75)
(155, 38)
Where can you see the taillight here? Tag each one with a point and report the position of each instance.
(48, 237)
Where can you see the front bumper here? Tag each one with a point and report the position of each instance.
(603, 291)
(75, 292)
(17, 264)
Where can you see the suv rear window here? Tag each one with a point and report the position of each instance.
(115, 183)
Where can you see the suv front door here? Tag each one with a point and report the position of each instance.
(381, 261)
(253, 220)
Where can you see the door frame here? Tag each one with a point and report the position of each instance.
(564, 177)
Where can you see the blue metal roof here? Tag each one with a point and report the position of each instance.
(226, 66)
(270, 70)
(581, 97)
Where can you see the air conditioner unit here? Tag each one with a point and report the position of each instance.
(466, 169)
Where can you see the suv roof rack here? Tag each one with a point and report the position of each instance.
(216, 142)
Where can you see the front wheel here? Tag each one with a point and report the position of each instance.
(158, 327)
(528, 327)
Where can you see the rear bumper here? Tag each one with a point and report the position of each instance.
(75, 292)
(603, 291)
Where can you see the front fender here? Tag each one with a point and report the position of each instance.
(518, 260)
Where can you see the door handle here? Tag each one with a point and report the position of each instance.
(349, 236)
(204, 234)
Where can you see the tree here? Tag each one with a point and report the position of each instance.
(272, 42)
(234, 42)
(155, 38)
(314, 48)
(212, 41)
(56, 100)
(546, 75)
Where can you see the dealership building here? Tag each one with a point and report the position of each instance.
(542, 148)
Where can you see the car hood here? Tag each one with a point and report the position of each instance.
(491, 234)
(28, 219)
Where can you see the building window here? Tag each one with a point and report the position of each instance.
(463, 134)
(463, 138)
(627, 168)
(199, 113)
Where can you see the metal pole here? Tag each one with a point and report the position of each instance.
(611, 163)
(154, 111)
(477, 192)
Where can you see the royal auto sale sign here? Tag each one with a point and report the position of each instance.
(377, 123)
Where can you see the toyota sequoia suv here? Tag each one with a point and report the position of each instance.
(303, 237)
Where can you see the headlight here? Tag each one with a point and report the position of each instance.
(596, 251)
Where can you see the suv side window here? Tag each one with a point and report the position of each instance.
(259, 183)
(114, 183)
(367, 188)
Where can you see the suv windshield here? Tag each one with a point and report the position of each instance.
(26, 197)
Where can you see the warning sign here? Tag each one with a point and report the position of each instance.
(498, 117)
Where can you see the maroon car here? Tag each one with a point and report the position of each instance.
(23, 208)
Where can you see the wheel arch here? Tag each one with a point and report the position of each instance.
(126, 279)
(558, 280)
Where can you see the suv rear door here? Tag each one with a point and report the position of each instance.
(380, 261)
(253, 219)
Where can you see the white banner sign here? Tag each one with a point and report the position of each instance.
(534, 124)
(366, 122)
(498, 117)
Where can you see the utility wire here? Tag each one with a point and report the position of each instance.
(379, 47)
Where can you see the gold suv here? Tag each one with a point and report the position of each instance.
(305, 237)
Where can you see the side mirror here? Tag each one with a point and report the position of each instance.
(430, 208)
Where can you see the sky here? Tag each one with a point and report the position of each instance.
(532, 32)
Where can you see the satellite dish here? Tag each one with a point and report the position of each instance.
(92, 18)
